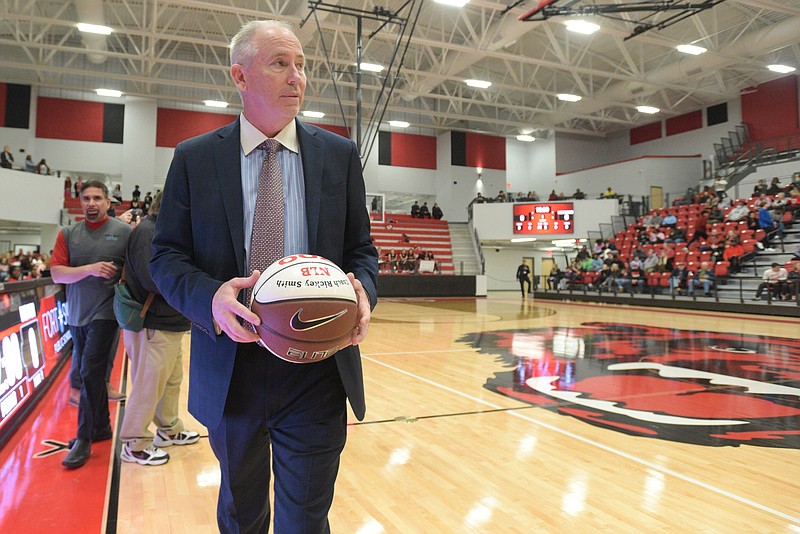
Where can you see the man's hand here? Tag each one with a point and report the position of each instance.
(102, 269)
(364, 313)
(226, 310)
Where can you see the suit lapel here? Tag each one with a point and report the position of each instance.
(227, 151)
(312, 152)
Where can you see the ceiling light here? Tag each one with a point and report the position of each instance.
(480, 84)
(582, 26)
(371, 67)
(94, 28)
(215, 103)
(647, 109)
(399, 124)
(109, 92)
(566, 97)
(523, 239)
(313, 114)
(691, 49)
(456, 3)
(526, 138)
(783, 69)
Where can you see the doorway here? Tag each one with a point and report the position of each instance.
(656, 197)
(548, 264)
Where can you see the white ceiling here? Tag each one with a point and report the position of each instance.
(176, 51)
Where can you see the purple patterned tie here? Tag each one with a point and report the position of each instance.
(266, 241)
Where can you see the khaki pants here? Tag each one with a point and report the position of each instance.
(156, 375)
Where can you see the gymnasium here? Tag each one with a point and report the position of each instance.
(526, 369)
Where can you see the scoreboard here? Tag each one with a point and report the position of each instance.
(545, 218)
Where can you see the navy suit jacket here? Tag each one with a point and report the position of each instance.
(199, 244)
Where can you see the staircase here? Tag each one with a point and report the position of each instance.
(401, 231)
(463, 250)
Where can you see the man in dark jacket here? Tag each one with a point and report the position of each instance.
(523, 276)
(156, 360)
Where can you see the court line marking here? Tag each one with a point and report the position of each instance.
(596, 444)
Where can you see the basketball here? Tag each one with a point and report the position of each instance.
(307, 307)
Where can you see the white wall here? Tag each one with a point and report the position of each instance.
(35, 198)
(139, 145)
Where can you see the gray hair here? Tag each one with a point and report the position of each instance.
(243, 46)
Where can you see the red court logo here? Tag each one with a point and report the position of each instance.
(705, 388)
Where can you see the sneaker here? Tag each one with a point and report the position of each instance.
(187, 437)
(150, 456)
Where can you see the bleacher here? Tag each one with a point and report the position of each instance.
(423, 234)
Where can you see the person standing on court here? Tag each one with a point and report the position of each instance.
(523, 276)
(156, 360)
(88, 258)
(235, 200)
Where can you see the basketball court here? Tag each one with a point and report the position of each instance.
(510, 415)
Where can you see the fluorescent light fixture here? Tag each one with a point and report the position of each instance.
(94, 28)
(566, 97)
(399, 124)
(455, 3)
(371, 67)
(581, 26)
(109, 92)
(313, 114)
(691, 49)
(480, 84)
(523, 239)
(647, 109)
(564, 243)
(783, 69)
(526, 138)
(215, 103)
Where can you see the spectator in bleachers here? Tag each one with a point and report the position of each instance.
(480, 199)
(14, 274)
(766, 223)
(78, 186)
(720, 185)
(609, 193)
(42, 167)
(615, 278)
(393, 260)
(650, 263)
(637, 279)
(774, 279)
(7, 158)
(533, 196)
(136, 194)
(670, 220)
(774, 187)
(703, 277)
(117, 193)
(733, 253)
(30, 166)
(424, 212)
(578, 194)
(739, 212)
(501, 197)
(793, 281)
(437, 211)
(678, 278)
(415, 210)
(67, 187)
(553, 195)
(554, 277)
(760, 188)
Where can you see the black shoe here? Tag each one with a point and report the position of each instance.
(78, 454)
(99, 435)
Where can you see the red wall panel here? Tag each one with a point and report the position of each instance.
(685, 123)
(341, 130)
(771, 110)
(648, 132)
(486, 151)
(76, 120)
(410, 150)
(176, 125)
(2, 104)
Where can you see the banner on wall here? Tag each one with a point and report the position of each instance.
(32, 343)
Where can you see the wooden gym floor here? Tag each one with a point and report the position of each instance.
(509, 415)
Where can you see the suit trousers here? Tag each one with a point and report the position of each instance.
(93, 344)
(295, 413)
(75, 367)
(156, 370)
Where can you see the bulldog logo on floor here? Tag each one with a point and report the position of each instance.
(706, 388)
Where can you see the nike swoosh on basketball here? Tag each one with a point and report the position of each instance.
(300, 325)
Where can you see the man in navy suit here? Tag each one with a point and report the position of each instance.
(262, 411)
